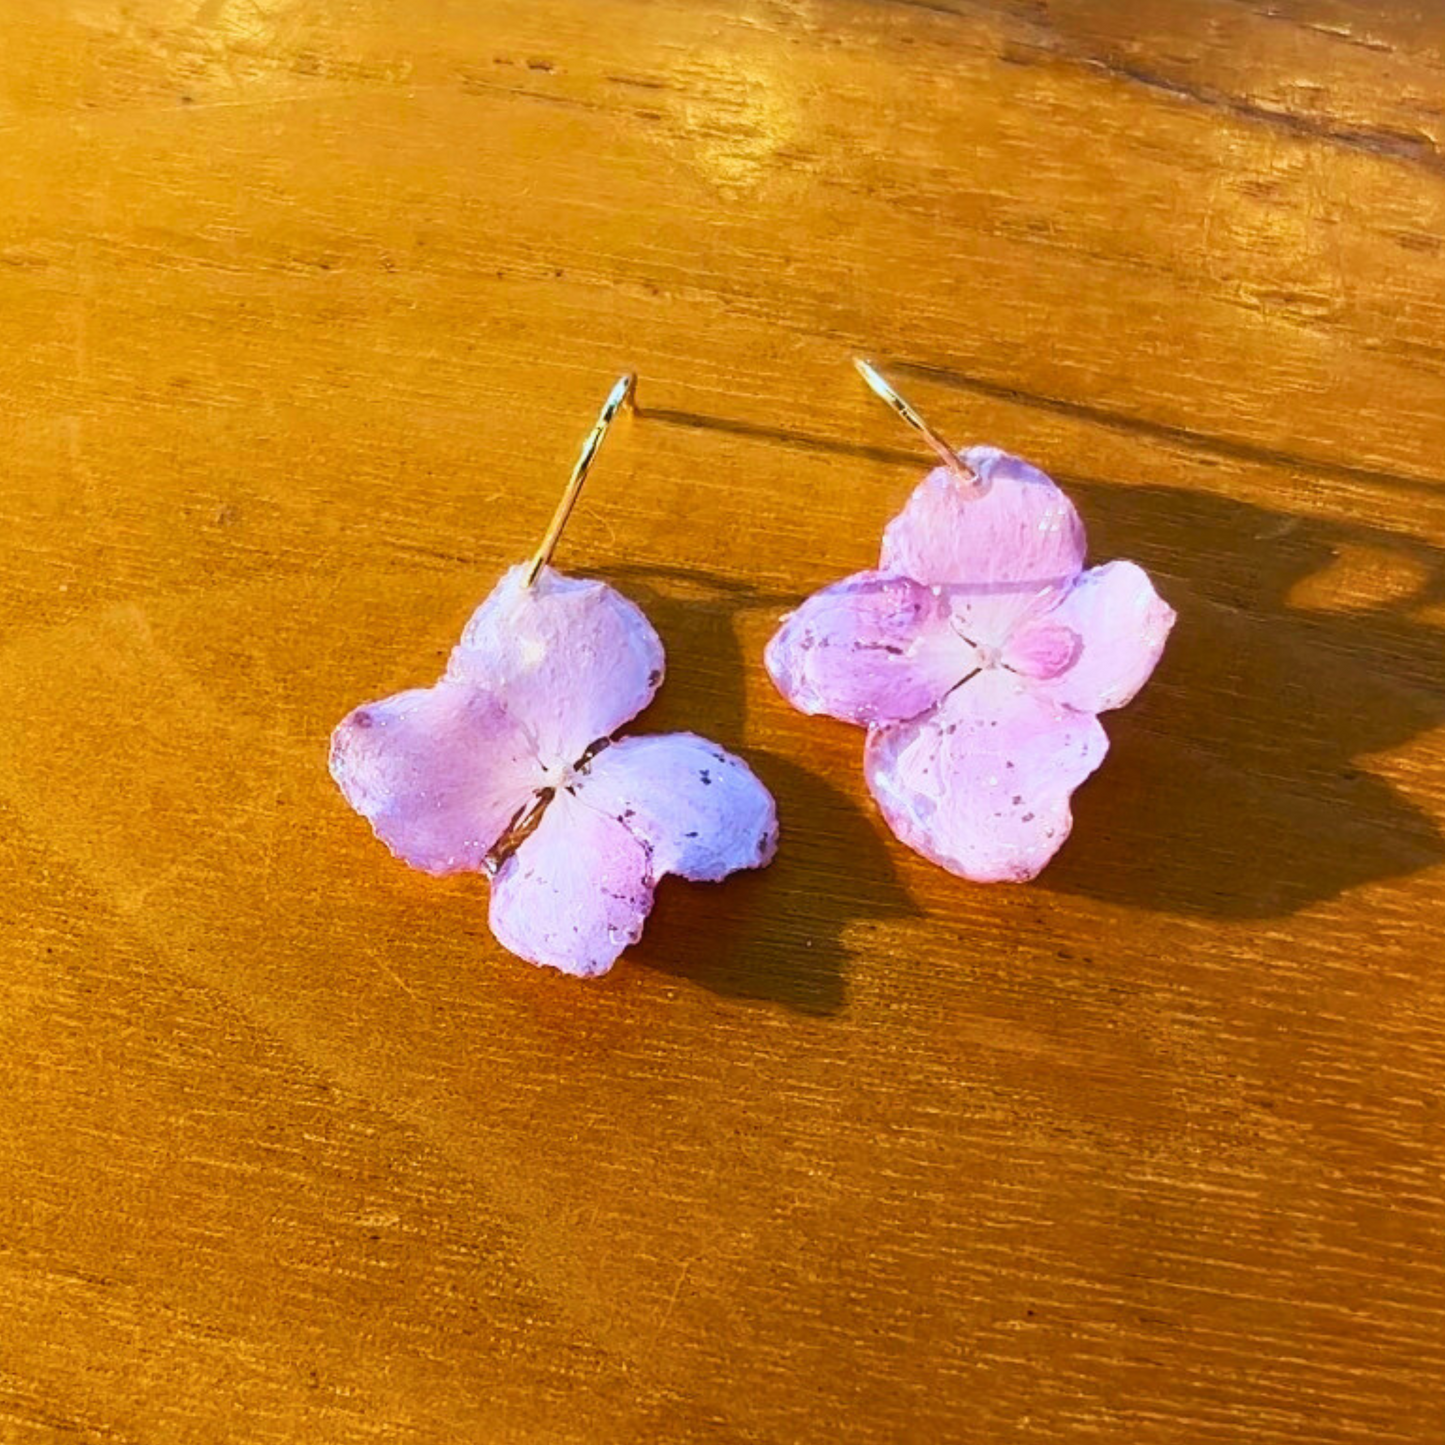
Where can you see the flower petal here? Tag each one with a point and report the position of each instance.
(700, 811)
(1121, 623)
(572, 656)
(575, 893)
(439, 773)
(871, 648)
(981, 785)
(1015, 532)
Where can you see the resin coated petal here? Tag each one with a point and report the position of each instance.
(439, 773)
(700, 811)
(871, 648)
(981, 785)
(572, 656)
(1014, 532)
(1121, 623)
(575, 893)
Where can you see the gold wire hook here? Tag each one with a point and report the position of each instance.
(881, 388)
(623, 392)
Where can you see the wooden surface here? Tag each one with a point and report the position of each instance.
(304, 308)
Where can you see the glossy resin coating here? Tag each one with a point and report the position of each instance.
(507, 766)
(978, 656)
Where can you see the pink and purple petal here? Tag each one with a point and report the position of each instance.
(700, 812)
(575, 893)
(439, 773)
(981, 785)
(1120, 623)
(1010, 535)
(572, 656)
(871, 648)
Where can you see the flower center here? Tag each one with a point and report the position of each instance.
(568, 775)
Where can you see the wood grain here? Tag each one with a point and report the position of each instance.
(305, 305)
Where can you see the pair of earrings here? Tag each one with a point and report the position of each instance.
(978, 655)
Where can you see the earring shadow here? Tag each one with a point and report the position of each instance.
(779, 934)
(1234, 787)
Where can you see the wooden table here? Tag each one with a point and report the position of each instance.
(305, 306)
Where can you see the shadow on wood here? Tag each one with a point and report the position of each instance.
(1234, 786)
(779, 934)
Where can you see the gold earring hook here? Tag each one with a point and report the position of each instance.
(881, 388)
(623, 392)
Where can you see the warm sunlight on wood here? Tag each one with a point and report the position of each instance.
(306, 308)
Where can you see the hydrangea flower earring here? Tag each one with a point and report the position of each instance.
(978, 656)
(508, 765)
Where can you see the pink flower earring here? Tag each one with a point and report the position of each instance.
(508, 765)
(978, 656)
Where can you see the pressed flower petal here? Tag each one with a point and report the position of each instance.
(540, 680)
(439, 773)
(575, 893)
(1121, 623)
(981, 785)
(871, 648)
(1012, 534)
(572, 656)
(700, 811)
